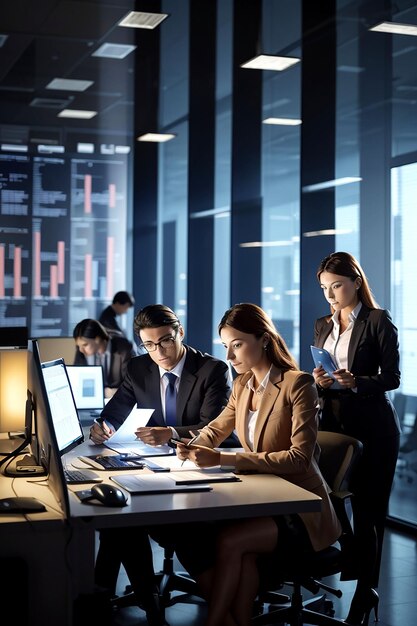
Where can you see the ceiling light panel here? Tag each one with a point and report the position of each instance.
(270, 62)
(113, 51)
(138, 19)
(156, 137)
(66, 84)
(282, 121)
(77, 114)
(395, 28)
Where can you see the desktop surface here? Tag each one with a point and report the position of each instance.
(256, 495)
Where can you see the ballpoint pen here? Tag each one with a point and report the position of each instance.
(189, 443)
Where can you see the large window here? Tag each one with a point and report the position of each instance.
(280, 173)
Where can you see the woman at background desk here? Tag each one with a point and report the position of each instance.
(94, 346)
(363, 342)
(273, 407)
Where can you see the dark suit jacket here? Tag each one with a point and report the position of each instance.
(203, 392)
(121, 353)
(108, 319)
(373, 358)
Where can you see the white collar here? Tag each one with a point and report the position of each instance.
(262, 385)
(352, 317)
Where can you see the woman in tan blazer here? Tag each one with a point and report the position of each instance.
(273, 407)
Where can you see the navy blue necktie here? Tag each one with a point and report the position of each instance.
(171, 401)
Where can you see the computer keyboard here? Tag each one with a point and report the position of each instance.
(76, 476)
(113, 461)
(118, 462)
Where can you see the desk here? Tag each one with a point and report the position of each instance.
(39, 540)
(72, 571)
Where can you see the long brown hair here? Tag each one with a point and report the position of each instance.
(251, 319)
(344, 264)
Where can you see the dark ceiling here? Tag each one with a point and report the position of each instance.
(47, 39)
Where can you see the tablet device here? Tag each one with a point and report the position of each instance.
(324, 359)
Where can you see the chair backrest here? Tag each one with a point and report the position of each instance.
(338, 457)
(52, 348)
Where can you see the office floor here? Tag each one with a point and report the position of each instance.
(398, 590)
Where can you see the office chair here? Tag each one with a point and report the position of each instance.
(339, 456)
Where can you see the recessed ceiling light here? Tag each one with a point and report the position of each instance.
(270, 62)
(113, 51)
(122, 149)
(13, 147)
(395, 28)
(138, 19)
(328, 231)
(156, 137)
(78, 114)
(85, 148)
(67, 84)
(47, 149)
(265, 244)
(329, 184)
(282, 121)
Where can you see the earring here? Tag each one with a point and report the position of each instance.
(265, 346)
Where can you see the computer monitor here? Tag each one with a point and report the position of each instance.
(87, 386)
(45, 445)
(66, 423)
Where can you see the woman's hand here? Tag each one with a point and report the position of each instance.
(200, 455)
(322, 379)
(154, 435)
(345, 378)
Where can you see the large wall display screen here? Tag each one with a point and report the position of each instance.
(62, 239)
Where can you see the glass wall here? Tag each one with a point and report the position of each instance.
(172, 261)
(280, 172)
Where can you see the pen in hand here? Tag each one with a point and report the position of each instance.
(189, 443)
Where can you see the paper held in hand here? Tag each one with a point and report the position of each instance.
(124, 439)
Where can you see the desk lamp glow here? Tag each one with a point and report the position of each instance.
(13, 385)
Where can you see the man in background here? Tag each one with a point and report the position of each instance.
(122, 301)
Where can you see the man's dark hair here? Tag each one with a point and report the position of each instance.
(123, 297)
(153, 316)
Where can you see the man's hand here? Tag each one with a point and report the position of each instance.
(154, 435)
(200, 455)
(100, 432)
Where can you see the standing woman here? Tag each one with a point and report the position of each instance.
(94, 346)
(364, 344)
(273, 407)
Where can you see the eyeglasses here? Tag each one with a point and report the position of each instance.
(166, 343)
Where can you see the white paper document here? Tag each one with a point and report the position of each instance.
(124, 439)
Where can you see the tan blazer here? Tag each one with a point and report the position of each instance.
(285, 441)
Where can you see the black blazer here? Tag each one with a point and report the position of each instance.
(373, 358)
(203, 392)
(121, 351)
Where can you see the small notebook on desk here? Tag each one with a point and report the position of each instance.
(155, 483)
(195, 477)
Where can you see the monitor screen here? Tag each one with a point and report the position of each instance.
(67, 426)
(87, 385)
(44, 443)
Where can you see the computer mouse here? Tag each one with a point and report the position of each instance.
(108, 495)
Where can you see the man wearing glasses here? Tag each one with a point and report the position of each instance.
(186, 389)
